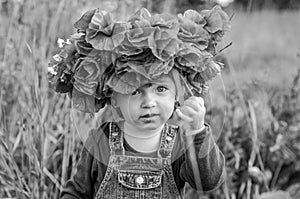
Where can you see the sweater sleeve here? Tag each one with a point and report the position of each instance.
(204, 164)
(80, 186)
(90, 168)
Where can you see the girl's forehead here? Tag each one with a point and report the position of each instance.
(164, 79)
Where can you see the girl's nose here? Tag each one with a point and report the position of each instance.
(148, 100)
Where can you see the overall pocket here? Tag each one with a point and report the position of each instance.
(134, 179)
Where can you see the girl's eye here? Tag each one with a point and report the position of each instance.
(136, 92)
(161, 89)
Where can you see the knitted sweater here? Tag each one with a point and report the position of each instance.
(92, 165)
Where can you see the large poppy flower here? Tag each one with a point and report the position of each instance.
(87, 74)
(105, 34)
(192, 29)
(216, 20)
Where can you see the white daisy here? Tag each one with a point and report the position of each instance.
(52, 70)
(57, 58)
(60, 42)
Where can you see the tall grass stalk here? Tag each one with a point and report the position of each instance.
(39, 145)
(26, 154)
(38, 140)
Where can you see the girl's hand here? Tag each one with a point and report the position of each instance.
(191, 114)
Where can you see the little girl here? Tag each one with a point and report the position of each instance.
(150, 72)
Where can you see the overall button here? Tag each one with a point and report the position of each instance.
(139, 180)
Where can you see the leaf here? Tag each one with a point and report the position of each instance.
(63, 87)
(87, 76)
(194, 16)
(83, 102)
(191, 57)
(213, 69)
(83, 48)
(217, 20)
(68, 53)
(108, 38)
(125, 84)
(101, 20)
(140, 14)
(105, 34)
(83, 23)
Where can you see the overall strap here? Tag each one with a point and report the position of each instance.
(167, 141)
(116, 139)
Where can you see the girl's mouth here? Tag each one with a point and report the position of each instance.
(148, 116)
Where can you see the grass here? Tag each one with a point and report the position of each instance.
(39, 144)
(265, 46)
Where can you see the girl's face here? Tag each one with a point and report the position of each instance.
(150, 106)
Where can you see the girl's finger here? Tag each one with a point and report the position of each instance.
(183, 116)
(195, 102)
(200, 101)
(188, 111)
(192, 104)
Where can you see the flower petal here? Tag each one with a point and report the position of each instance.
(87, 75)
(109, 38)
(195, 16)
(217, 20)
(125, 84)
(212, 69)
(83, 23)
(100, 20)
(192, 58)
(141, 14)
(83, 102)
(191, 29)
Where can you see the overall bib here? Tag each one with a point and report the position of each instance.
(136, 177)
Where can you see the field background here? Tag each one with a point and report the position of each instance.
(253, 108)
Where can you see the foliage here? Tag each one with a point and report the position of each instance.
(268, 4)
(107, 55)
(38, 142)
(261, 140)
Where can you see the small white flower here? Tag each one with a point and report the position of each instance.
(52, 70)
(60, 42)
(68, 42)
(57, 58)
(77, 35)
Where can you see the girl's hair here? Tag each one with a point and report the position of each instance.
(106, 55)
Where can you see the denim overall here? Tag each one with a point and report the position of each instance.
(135, 177)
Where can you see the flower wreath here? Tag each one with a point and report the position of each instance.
(106, 55)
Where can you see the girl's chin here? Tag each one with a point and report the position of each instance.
(149, 125)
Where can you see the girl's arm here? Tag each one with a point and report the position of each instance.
(80, 186)
(197, 160)
(204, 163)
(91, 166)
